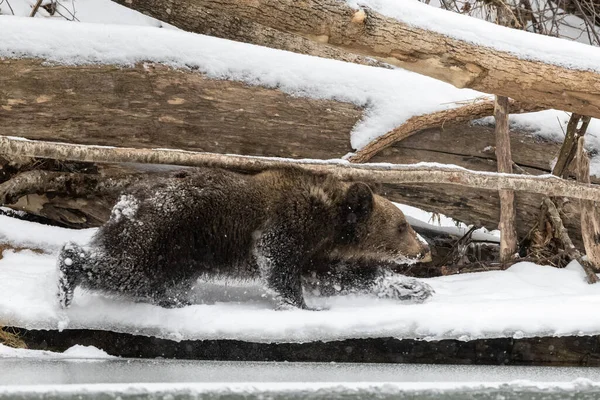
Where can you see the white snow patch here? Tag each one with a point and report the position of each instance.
(74, 352)
(334, 389)
(36, 236)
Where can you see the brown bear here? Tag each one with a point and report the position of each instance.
(285, 227)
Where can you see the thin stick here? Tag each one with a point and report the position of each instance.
(35, 8)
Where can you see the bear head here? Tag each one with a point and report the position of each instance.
(373, 227)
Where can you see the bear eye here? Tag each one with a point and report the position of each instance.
(402, 227)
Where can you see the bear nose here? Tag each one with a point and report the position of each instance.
(425, 254)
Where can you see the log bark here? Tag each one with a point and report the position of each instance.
(507, 226)
(155, 106)
(460, 63)
(590, 218)
(442, 119)
(391, 174)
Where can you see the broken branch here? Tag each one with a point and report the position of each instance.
(437, 119)
(563, 236)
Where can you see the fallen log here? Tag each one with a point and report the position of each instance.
(152, 105)
(410, 46)
(376, 173)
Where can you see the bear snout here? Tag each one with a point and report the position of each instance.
(425, 254)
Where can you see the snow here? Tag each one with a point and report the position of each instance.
(525, 45)
(93, 11)
(74, 352)
(526, 300)
(44, 237)
(390, 96)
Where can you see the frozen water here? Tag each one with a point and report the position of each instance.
(170, 379)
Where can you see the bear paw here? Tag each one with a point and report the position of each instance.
(403, 288)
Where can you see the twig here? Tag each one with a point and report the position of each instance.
(36, 7)
(569, 146)
(9, 6)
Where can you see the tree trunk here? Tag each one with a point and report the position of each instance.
(460, 63)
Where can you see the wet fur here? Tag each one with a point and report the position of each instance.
(280, 226)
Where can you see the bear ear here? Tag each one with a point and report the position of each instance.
(358, 203)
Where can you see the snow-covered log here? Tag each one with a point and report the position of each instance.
(433, 42)
(156, 106)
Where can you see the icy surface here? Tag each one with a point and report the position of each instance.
(169, 379)
(526, 300)
(390, 96)
(46, 371)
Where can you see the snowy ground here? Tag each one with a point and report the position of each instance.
(526, 300)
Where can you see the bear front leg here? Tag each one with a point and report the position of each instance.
(278, 258)
(359, 276)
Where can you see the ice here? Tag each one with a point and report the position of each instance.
(171, 379)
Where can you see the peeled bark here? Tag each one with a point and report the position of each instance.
(334, 22)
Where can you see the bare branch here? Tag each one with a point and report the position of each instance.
(382, 173)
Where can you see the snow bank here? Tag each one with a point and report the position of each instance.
(44, 237)
(390, 96)
(74, 352)
(526, 300)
